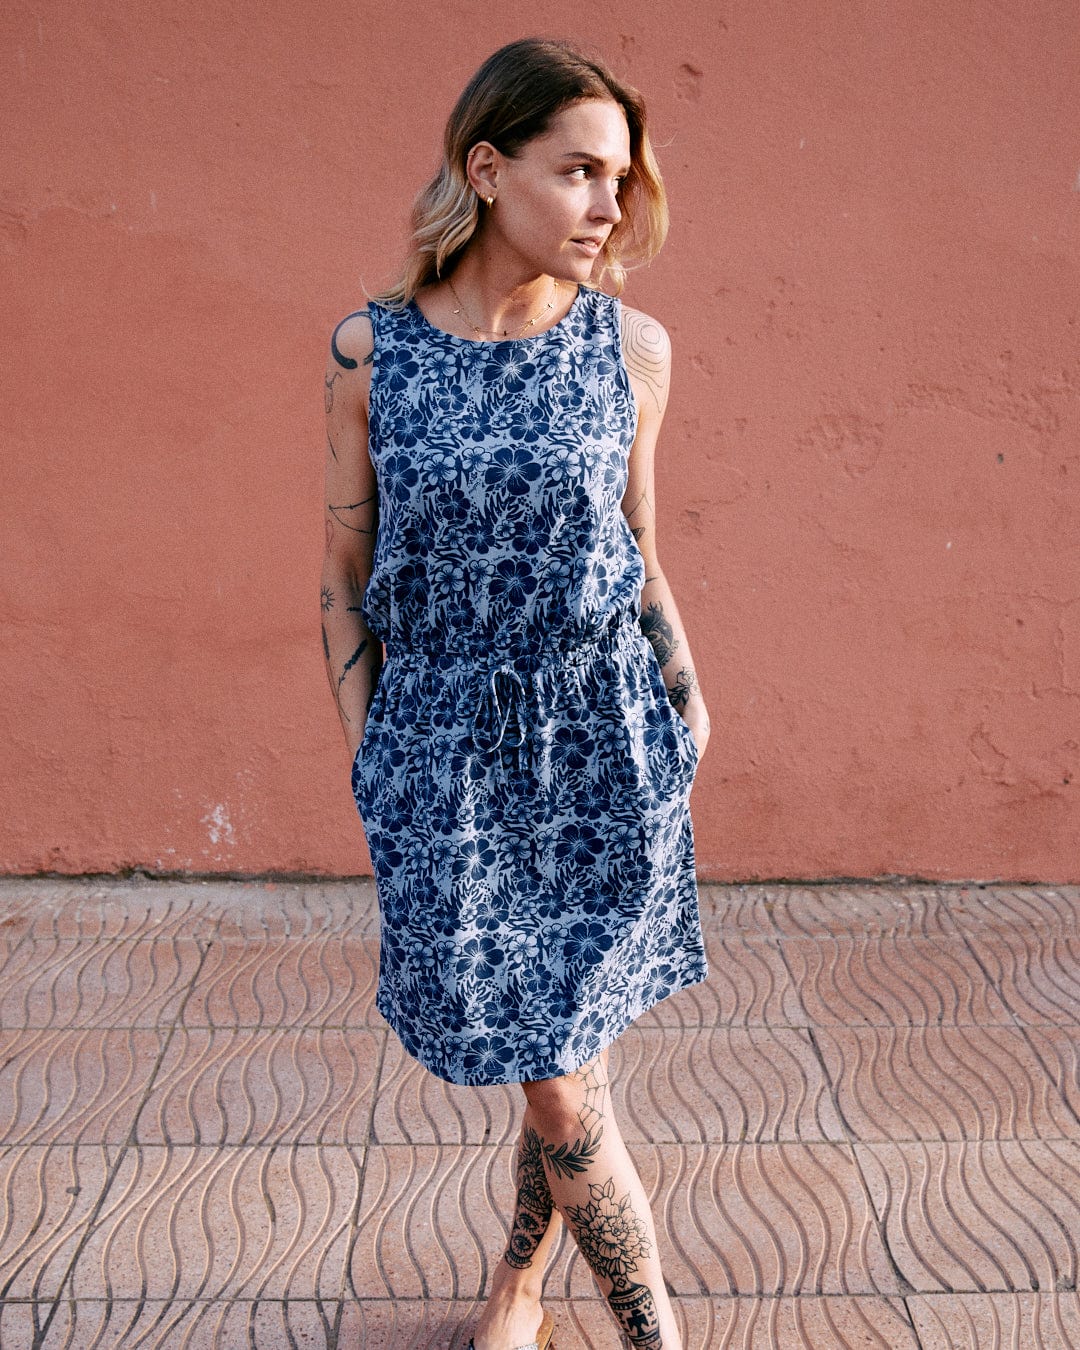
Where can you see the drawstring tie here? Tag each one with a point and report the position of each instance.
(503, 694)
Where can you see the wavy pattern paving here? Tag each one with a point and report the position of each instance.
(748, 985)
(65, 1086)
(838, 911)
(979, 1217)
(311, 980)
(1037, 971)
(1023, 909)
(722, 1084)
(185, 1224)
(1040, 1321)
(961, 1082)
(63, 982)
(862, 1130)
(256, 1088)
(892, 981)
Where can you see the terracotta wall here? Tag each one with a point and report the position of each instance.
(869, 481)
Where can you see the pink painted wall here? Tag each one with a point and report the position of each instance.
(869, 479)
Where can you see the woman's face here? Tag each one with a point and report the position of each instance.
(557, 201)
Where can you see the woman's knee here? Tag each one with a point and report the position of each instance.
(573, 1102)
(555, 1107)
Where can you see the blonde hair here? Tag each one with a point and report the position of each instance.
(511, 100)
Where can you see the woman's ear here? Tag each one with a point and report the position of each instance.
(482, 170)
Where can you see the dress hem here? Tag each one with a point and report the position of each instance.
(558, 1070)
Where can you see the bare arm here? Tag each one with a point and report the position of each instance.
(647, 353)
(353, 654)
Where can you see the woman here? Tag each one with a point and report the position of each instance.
(523, 760)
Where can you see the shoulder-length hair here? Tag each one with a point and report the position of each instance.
(511, 100)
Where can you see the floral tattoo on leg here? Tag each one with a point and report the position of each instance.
(614, 1241)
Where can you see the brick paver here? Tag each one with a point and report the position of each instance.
(863, 1130)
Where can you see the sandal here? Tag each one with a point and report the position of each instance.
(543, 1336)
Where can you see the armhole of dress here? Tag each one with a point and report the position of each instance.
(373, 312)
(617, 338)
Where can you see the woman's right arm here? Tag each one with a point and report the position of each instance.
(353, 654)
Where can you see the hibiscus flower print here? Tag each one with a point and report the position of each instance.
(508, 367)
(587, 941)
(512, 468)
(397, 368)
(479, 957)
(513, 581)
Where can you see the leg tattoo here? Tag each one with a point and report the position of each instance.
(573, 1157)
(614, 1241)
(534, 1205)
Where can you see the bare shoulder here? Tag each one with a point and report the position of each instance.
(348, 366)
(647, 353)
(352, 343)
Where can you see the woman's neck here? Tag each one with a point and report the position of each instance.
(497, 303)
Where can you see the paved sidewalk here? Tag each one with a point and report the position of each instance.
(864, 1130)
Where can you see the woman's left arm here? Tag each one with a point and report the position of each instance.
(647, 355)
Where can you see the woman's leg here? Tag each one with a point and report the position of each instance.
(595, 1187)
(572, 1161)
(512, 1312)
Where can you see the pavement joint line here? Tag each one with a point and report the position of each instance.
(114, 1170)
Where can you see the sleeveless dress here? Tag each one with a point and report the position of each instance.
(523, 779)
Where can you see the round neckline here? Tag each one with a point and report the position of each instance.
(497, 342)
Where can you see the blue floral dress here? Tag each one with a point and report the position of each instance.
(523, 779)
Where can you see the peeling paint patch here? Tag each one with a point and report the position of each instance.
(852, 441)
(688, 83)
(992, 761)
(219, 826)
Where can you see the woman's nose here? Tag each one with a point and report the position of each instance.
(607, 204)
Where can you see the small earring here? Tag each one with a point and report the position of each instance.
(490, 201)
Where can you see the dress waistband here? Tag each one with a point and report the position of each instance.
(500, 716)
(618, 631)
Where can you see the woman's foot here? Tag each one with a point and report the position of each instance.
(509, 1322)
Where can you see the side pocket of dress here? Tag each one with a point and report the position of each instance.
(356, 777)
(361, 772)
(689, 745)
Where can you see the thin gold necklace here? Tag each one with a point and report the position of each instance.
(489, 332)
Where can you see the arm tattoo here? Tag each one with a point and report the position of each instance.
(335, 689)
(326, 598)
(352, 661)
(684, 686)
(644, 350)
(330, 390)
(659, 632)
(638, 530)
(347, 362)
(353, 522)
(329, 442)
